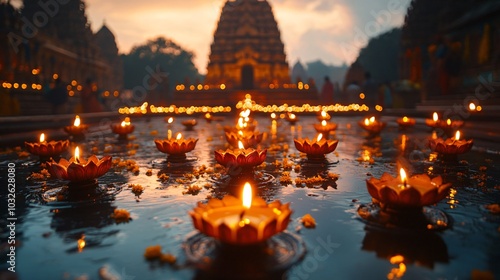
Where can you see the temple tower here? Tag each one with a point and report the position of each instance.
(247, 51)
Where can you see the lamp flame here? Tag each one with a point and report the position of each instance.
(247, 195)
(435, 117)
(273, 115)
(170, 120)
(77, 153)
(81, 243)
(42, 137)
(292, 116)
(240, 132)
(448, 122)
(320, 136)
(323, 122)
(405, 119)
(179, 136)
(123, 124)
(77, 121)
(323, 114)
(402, 174)
(367, 122)
(457, 135)
(372, 119)
(240, 145)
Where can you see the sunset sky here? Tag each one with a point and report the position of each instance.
(330, 30)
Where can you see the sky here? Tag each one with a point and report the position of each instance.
(329, 30)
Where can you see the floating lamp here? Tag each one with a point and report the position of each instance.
(45, 150)
(451, 147)
(246, 158)
(176, 148)
(372, 125)
(316, 148)
(405, 122)
(76, 130)
(248, 138)
(325, 127)
(123, 129)
(241, 222)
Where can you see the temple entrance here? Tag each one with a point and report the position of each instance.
(247, 77)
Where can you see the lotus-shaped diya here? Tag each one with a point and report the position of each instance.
(372, 125)
(325, 127)
(45, 149)
(405, 122)
(177, 147)
(241, 222)
(434, 122)
(123, 129)
(401, 192)
(248, 138)
(79, 171)
(317, 148)
(77, 129)
(245, 158)
(451, 146)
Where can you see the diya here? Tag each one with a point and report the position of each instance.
(189, 124)
(248, 138)
(241, 222)
(123, 129)
(176, 148)
(45, 150)
(325, 127)
(292, 118)
(405, 122)
(241, 157)
(79, 171)
(323, 116)
(434, 123)
(316, 148)
(400, 201)
(372, 125)
(77, 130)
(451, 147)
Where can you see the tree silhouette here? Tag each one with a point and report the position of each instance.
(159, 53)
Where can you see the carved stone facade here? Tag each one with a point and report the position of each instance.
(247, 51)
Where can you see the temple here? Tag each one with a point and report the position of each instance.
(247, 52)
(247, 55)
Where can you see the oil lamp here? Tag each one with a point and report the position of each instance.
(78, 170)
(241, 222)
(248, 138)
(316, 148)
(176, 148)
(451, 147)
(241, 157)
(45, 150)
(323, 116)
(292, 118)
(123, 129)
(325, 127)
(434, 123)
(407, 192)
(189, 124)
(372, 125)
(76, 130)
(405, 122)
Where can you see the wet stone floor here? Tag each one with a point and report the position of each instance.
(53, 222)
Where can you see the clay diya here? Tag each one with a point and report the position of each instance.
(242, 125)
(77, 130)
(241, 222)
(241, 157)
(189, 124)
(405, 122)
(323, 116)
(292, 118)
(316, 148)
(248, 139)
(176, 148)
(451, 147)
(434, 123)
(372, 125)
(407, 192)
(79, 171)
(45, 150)
(325, 127)
(123, 129)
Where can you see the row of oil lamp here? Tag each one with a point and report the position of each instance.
(251, 220)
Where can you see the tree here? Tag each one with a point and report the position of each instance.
(159, 53)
